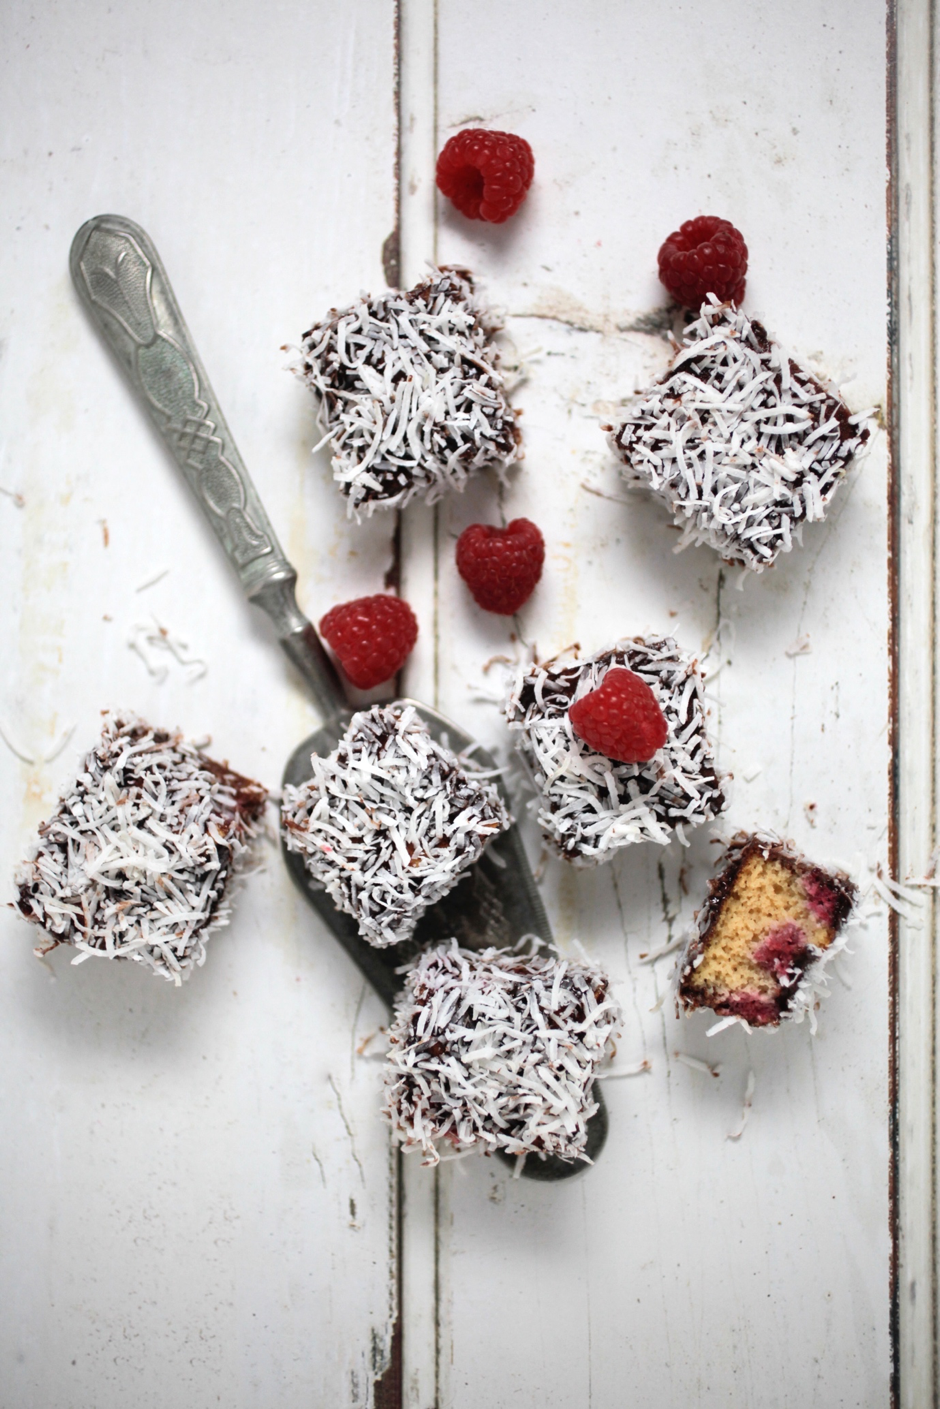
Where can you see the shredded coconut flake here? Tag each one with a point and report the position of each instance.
(412, 400)
(696, 1064)
(635, 1069)
(589, 805)
(653, 956)
(136, 861)
(742, 444)
(497, 1051)
(746, 1107)
(390, 821)
(151, 642)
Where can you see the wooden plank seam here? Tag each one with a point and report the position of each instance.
(914, 586)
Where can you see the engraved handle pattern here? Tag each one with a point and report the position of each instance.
(120, 279)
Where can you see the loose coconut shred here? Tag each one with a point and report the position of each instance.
(411, 397)
(390, 821)
(136, 861)
(590, 805)
(742, 444)
(497, 1051)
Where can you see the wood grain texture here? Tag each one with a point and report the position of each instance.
(199, 1197)
(197, 1189)
(914, 369)
(686, 1267)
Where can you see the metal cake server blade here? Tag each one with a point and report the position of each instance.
(123, 285)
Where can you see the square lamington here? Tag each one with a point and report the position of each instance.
(412, 399)
(137, 860)
(589, 806)
(390, 821)
(498, 1050)
(741, 444)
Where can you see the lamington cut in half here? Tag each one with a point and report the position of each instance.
(742, 445)
(771, 923)
(137, 860)
(412, 399)
(496, 1050)
(390, 821)
(590, 805)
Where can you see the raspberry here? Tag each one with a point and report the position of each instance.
(501, 565)
(485, 174)
(372, 638)
(704, 256)
(621, 718)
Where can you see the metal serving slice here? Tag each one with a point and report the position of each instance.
(122, 283)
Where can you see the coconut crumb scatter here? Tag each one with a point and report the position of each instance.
(742, 444)
(390, 821)
(137, 860)
(496, 1050)
(590, 805)
(411, 397)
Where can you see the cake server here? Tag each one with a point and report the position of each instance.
(122, 283)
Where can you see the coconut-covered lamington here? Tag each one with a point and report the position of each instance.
(412, 400)
(590, 805)
(741, 444)
(390, 821)
(137, 860)
(496, 1050)
(771, 923)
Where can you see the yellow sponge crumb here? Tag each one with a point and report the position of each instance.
(765, 893)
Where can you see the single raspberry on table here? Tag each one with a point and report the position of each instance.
(501, 566)
(704, 256)
(621, 718)
(372, 637)
(485, 174)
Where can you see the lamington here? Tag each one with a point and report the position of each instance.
(497, 1050)
(138, 859)
(741, 444)
(770, 925)
(589, 805)
(412, 399)
(390, 821)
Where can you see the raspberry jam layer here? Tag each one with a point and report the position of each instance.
(822, 897)
(781, 949)
(755, 1008)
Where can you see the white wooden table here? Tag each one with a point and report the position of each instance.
(199, 1202)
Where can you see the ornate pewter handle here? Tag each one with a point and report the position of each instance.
(121, 281)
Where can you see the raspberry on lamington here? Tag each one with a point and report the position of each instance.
(704, 256)
(589, 804)
(372, 637)
(621, 718)
(486, 175)
(412, 399)
(501, 566)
